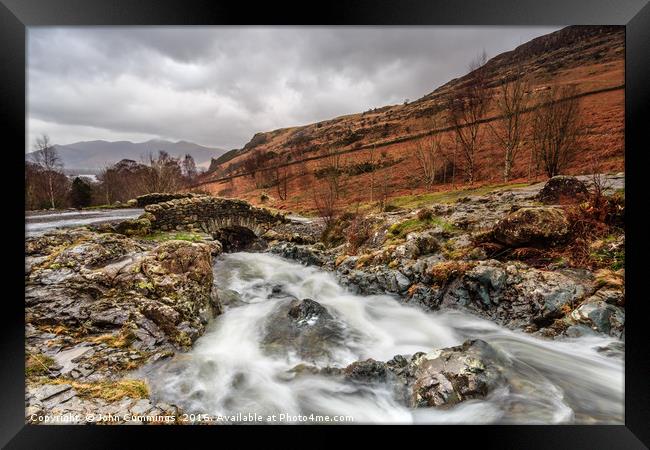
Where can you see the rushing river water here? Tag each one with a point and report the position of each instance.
(227, 372)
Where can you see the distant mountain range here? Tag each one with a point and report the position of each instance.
(94, 155)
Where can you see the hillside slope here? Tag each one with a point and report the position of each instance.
(590, 57)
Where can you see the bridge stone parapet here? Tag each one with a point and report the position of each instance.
(210, 214)
(158, 197)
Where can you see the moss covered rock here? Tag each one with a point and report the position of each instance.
(562, 188)
(134, 227)
(530, 226)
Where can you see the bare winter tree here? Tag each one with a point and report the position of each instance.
(188, 168)
(48, 159)
(555, 128)
(511, 103)
(109, 180)
(599, 183)
(122, 181)
(373, 168)
(281, 179)
(465, 112)
(385, 181)
(164, 174)
(427, 154)
(326, 203)
(332, 169)
(326, 197)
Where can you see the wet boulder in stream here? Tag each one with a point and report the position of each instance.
(302, 326)
(440, 378)
(451, 375)
(443, 377)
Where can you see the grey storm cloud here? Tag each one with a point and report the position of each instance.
(217, 86)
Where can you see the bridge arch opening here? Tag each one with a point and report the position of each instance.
(235, 238)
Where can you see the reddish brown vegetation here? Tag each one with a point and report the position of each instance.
(589, 58)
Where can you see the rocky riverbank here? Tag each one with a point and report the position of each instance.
(499, 255)
(100, 305)
(105, 302)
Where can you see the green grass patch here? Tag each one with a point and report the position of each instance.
(398, 231)
(418, 201)
(174, 236)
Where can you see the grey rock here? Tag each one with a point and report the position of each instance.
(47, 391)
(403, 282)
(304, 327)
(141, 407)
(532, 226)
(600, 316)
(562, 187)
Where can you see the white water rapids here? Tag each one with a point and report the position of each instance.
(227, 372)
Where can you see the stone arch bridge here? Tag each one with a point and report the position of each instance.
(210, 215)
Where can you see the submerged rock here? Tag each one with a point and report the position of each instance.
(367, 371)
(307, 311)
(304, 327)
(440, 378)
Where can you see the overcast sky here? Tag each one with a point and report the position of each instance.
(217, 86)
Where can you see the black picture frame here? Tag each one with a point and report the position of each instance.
(16, 15)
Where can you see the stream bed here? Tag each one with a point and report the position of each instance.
(230, 372)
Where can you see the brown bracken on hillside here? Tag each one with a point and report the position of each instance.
(282, 168)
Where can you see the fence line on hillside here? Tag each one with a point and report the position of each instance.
(402, 139)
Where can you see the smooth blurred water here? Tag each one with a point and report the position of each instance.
(227, 371)
(38, 224)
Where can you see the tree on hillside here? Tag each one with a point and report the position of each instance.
(32, 172)
(372, 165)
(325, 203)
(326, 196)
(80, 193)
(427, 154)
(281, 179)
(48, 159)
(555, 128)
(331, 168)
(511, 102)
(385, 185)
(466, 109)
